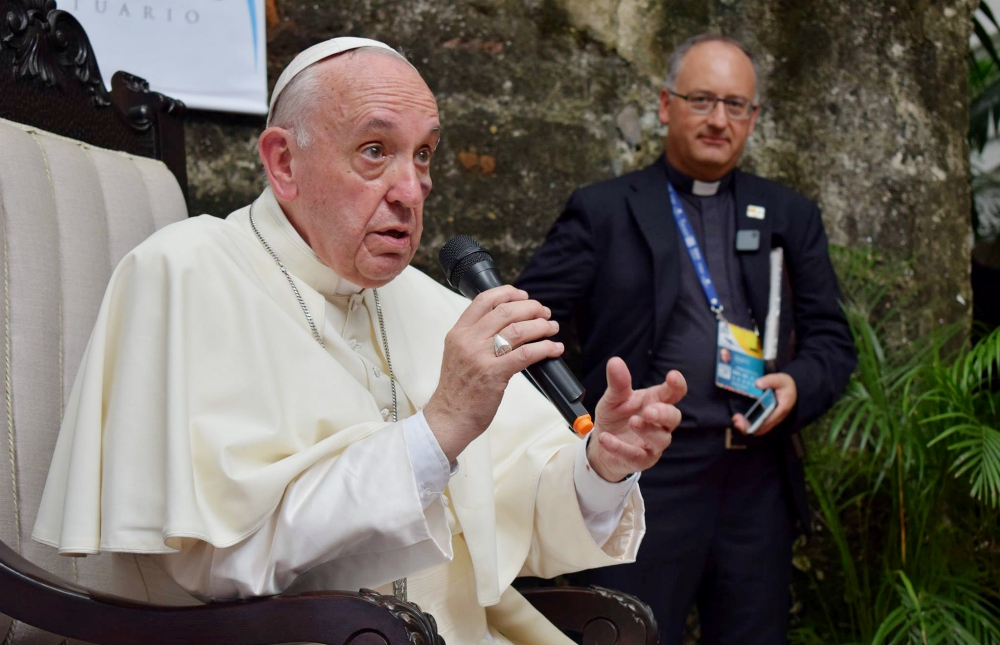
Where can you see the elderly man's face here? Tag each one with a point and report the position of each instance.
(363, 179)
(707, 146)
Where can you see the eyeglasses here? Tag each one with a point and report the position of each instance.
(737, 109)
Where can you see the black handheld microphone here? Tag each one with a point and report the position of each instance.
(470, 269)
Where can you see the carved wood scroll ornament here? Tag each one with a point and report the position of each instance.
(50, 45)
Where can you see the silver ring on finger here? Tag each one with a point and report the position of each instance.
(501, 345)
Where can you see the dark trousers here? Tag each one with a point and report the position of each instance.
(719, 536)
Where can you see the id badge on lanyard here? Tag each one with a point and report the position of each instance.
(739, 357)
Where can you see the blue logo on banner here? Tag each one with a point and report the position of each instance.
(252, 4)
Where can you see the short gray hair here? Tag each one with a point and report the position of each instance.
(303, 95)
(677, 57)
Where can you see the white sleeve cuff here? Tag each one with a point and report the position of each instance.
(330, 531)
(430, 466)
(601, 502)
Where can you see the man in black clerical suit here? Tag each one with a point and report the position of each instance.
(722, 506)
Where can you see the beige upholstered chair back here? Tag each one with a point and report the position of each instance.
(68, 213)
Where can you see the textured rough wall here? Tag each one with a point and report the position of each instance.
(864, 110)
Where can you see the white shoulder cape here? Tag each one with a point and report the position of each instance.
(202, 394)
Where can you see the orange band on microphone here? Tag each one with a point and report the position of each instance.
(583, 425)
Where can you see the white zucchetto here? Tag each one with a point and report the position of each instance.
(315, 54)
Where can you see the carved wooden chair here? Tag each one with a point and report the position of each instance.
(85, 175)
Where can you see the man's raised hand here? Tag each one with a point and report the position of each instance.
(633, 427)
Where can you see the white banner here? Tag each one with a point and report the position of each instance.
(208, 53)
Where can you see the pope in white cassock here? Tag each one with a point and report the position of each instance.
(277, 402)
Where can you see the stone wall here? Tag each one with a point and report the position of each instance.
(864, 110)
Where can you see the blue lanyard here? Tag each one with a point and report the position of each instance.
(697, 259)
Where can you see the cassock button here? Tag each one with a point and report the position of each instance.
(377, 372)
(353, 344)
(385, 413)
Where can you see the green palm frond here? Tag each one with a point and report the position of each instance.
(968, 402)
(875, 413)
(982, 361)
(985, 105)
(980, 30)
(829, 488)
(907, 476)
(963, 615)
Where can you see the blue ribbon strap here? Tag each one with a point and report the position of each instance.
(694, 251)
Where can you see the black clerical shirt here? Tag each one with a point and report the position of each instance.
(689, 341)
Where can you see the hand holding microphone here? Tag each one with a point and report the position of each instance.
(471, 270)
(633, 426)
(473, 375)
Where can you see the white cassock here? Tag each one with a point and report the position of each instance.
(208, 429)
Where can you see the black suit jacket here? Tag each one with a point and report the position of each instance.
(609, 267)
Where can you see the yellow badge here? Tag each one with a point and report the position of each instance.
(755, 212)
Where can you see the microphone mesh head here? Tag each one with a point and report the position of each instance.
(458, 254)
(463, 265)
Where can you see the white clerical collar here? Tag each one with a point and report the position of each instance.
(295, 254)
(705, 188)
(685, 183)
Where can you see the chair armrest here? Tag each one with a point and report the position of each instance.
(36, 597)
(601, 616)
